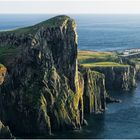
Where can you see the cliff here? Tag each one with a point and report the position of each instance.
(118, 77)
(5, 132)
(94, 91)
(120, 73)
(133, 61)
(42, 90)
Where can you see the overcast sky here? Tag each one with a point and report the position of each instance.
(71, 6)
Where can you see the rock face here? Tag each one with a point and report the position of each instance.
(118, 78)
(2, 73)
(4, 132)
(43, 90)
(94, 91)
(137, 67)
(134, 63)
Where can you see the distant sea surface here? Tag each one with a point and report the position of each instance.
(95, 32)
(100, 33)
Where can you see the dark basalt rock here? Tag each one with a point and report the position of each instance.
(43, 90)
(94, 91)
(118, 78)
(5, 132)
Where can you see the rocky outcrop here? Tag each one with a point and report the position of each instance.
(43, 90)
(118, 78)
(133, 61)
(2, 73)
(137, 67)
(94, 91)
(5, 132)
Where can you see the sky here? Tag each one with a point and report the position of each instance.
(70, 6)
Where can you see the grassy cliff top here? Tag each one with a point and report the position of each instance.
(99, 59)
(57, 21)
(104, 64)
(8, 51)
(93, 56)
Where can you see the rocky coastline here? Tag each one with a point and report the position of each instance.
(43, 87)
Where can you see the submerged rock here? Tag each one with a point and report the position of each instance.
(112, 100)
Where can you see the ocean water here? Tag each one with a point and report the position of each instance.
(96, 32)
(100, 33)
(120, 120)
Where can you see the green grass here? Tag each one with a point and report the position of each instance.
(99, 59)
(92, 56)
(53, 22)
(104, 64)
(7, 52)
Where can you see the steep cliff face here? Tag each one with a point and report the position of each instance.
(43, 90)
(94, 91)
(119, 78)
(137, 67)
(5, 132)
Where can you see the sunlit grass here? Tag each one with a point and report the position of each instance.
(104, 64)
(92, 56)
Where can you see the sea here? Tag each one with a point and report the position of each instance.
(99, 33)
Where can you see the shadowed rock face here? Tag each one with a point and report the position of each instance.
(43, 90)
(94, 96)
(5, 132)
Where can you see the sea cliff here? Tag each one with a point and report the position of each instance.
(118, 78)
(119, 74)
(42, 90)
(95, 94)
(42, 87)
(5, 132)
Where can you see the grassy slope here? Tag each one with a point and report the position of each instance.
(7, 52)
(104, 64)
(50, 23)
(100, 59)
(92, 56)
